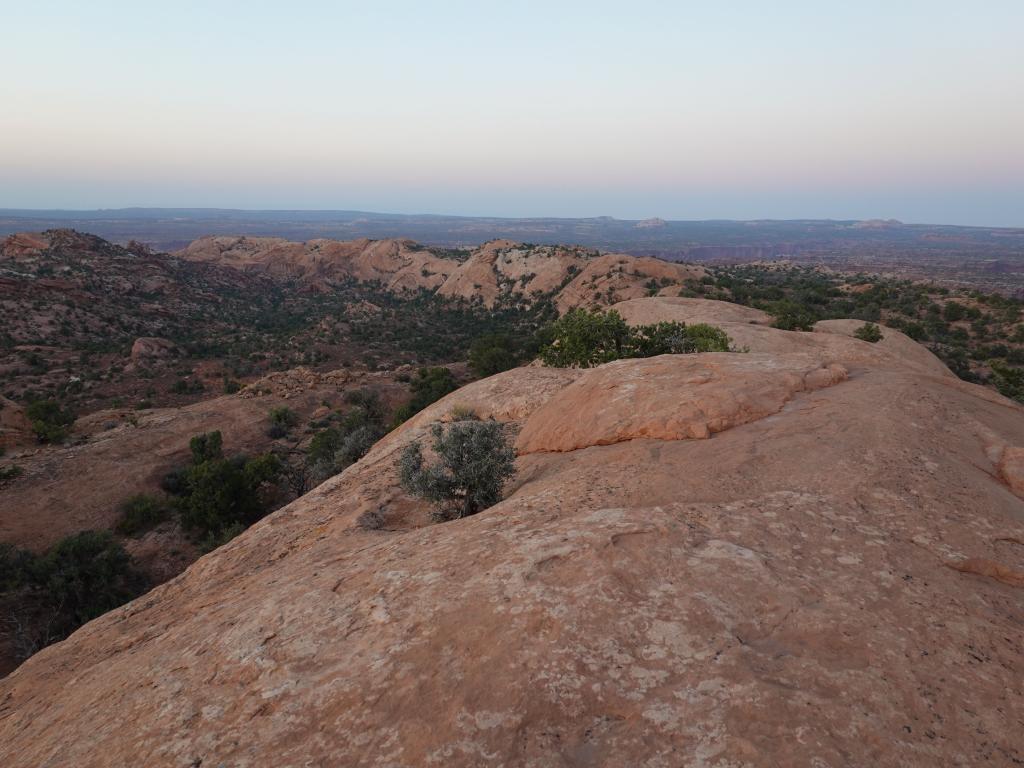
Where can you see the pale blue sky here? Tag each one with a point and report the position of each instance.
(741, 109)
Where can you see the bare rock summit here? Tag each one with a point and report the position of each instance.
(809, 554)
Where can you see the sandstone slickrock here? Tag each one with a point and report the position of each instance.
(827, 583)
(497, 269)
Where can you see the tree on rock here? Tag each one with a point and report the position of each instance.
(474, 461)
(582, 339)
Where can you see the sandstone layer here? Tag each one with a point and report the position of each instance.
(832, 578)
(496, 270)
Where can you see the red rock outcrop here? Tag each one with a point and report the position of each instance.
(15, 427)
(827, 583)
(497, 269)
(152, 348)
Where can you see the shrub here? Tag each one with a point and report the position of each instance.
(51, 595)
(672, 338)
(50, 422)
(206, 447)
(281, 422)
(583, 338)
(221, 493)
(869, 332)
(333, 449)
(791, 316)
(356, 444)
(953, 311)
(323, 446)
(15, 566)
(493, 354)
(215, 493)
(87, 575)
(429, 386)
(1008, 380)
(474, 460)
(9, 473)
(140, 514)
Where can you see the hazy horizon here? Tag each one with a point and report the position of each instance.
(426, 214)
(909, 111)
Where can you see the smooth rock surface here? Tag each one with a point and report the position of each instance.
(831, 583)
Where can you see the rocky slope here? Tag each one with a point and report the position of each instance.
(807, 554)
(497, 270)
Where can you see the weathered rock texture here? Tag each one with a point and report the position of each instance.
(833, 579)
(499, 269)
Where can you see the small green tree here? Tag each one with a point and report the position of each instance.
(791, 316)
(50, 422)
(140, 514)
(206, 447)
(86, 575)
(869, 332)
(216, 494)
(584, 338)
(673, 338)
(1008, 379)
(429, 386)
(281, 422)
(221, 493)
(493, 354)
(474, 461)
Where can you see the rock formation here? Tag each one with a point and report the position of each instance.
(497, 269)
(807, 554)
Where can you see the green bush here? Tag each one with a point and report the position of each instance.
(87, 575)
(584, 338)
(792, 316)
(333, 449)
(429, 386)
(50, 422)
(281, 422)
(220, 493)
(493, 354)
(1008, 380)
(474, 461)
(9, 473)
(672, 338)
(140, 514)
(15, 566)
(869, 332)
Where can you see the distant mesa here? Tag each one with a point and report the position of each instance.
(878, 224)
(653, 223)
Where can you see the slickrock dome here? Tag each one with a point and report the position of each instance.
(809, 554)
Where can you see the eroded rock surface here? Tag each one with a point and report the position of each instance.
(829, 584)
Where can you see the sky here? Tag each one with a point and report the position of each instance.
(683, 110)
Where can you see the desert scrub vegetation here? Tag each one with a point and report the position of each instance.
(473, 461)
(869, 332)
(140, 514)
(584, 338)
(429, 386)
(338, 446)
(9, 473)
(49, 596)
(498, 352)
(282, 420)
(218, 497)
(968, 330)
(50, 422)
